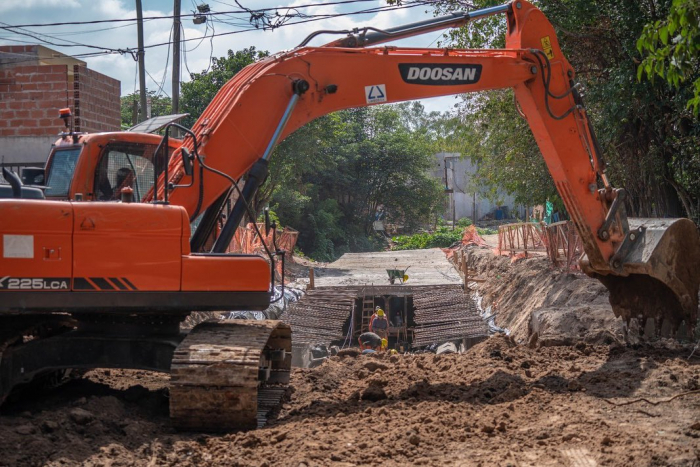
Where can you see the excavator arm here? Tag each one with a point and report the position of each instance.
(270, 99)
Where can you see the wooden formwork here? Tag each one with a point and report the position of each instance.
(521, 237)
(559, 240)
(564, 246)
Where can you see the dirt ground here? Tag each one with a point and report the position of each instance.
(510, 401)
(424, 267)
(499, 404)
(530, 297)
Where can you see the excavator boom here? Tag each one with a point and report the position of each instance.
(264, 103)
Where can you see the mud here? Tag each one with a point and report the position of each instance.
(498, 404)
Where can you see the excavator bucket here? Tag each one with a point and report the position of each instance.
(658, 277)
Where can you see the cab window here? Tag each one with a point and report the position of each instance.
(61, 170)
(121, 166)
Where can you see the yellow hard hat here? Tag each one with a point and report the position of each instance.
(405, 277)
(393, 352)
(380, 312)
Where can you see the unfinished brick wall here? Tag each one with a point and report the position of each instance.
(30, 97)
(96, 101)
(31, 94)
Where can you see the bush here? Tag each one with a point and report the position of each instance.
(486, 231)
(442, 238)
(464, 222)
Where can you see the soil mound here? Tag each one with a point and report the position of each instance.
(530, 297)
(498, 404)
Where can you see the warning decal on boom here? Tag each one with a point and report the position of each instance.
(375, 94)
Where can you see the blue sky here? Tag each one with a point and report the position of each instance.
(122, 35)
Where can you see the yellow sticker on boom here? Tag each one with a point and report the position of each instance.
(547, 47)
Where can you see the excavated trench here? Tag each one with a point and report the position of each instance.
(419, 317)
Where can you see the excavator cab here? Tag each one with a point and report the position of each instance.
(97, 167)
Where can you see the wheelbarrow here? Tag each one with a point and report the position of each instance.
(399, 274)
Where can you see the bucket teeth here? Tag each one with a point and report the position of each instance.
(659, 277)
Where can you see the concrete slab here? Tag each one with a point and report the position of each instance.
(426, 267)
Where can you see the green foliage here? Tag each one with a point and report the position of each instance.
(160, 105)
(672, 48)
(329, 178)
(486, 231)
(443, 237)
(273, 218)
(464, 222)
(201, 89)
(648, 135)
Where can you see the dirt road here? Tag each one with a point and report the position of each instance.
(427, 267)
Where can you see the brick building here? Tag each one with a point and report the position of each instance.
(35, 82)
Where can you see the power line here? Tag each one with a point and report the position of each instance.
(117, 20)
(156, 83)
(90, 31)
(307, 19)
(24, 32)
(167, 60)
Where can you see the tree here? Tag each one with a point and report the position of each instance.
(201, 89)
(648, 135)
(160, 105)
(672, 47)
(336, 172)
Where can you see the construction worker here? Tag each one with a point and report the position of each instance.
(369, 342)
(385, 345)
(379, 324)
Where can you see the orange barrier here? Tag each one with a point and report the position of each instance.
(520, 238)
(564, 246)
(248, 241)
(470, 237)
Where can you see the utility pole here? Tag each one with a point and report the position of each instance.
(142, 66)
(176, 57)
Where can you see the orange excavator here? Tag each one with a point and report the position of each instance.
(106, 283)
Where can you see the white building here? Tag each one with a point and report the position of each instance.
(462, 196)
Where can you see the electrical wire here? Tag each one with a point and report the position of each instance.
(211, 47)
(156, 83)
(35, 35)
(88, 31)
(108, 51)
(167, 61)
(117, 20)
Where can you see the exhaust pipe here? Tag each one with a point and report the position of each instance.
(14, 182)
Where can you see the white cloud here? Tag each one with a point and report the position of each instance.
(7, 5)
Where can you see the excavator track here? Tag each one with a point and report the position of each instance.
(14, 330)
(229, 375)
